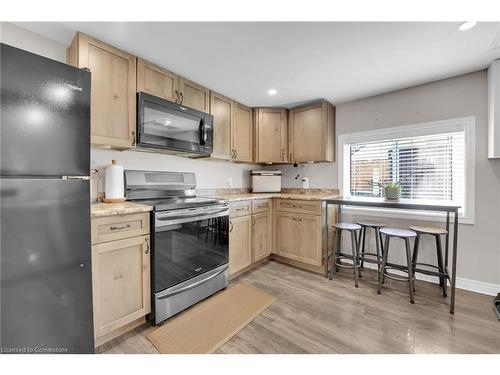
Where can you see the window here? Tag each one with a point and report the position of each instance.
(429, 161)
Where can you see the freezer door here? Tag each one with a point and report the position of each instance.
(46, 287)
(45, 117)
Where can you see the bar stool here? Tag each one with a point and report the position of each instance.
(404, 235)
(364, 255)
(437, 233)
(338, 255)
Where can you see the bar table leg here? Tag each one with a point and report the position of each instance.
(454, 261)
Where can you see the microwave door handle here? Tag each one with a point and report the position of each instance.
(202, 133)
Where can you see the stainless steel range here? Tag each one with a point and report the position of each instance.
(189, 238)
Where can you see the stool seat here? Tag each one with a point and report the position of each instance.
(428, 230)
(347, 226)
(401, 233)
(371, 224)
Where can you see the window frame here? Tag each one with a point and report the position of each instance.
(420, 129)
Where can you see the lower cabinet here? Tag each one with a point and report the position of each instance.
(261, 236)
(120, 282)
(299, 237)
(240, 243)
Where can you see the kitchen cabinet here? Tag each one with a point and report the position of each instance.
(157, 81)
(113, 90)
(222, 108)
(121, 285)
(240, 243)
(193, 95)
(312, 133)
(241, 133)
(270, 135)
(261, 235)
(298, 237)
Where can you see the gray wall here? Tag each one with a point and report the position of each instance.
(466, 95)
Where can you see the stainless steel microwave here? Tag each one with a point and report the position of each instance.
(172, 127)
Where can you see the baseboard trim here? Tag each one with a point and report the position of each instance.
(462, 283)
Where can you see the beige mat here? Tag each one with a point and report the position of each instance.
(206, 326)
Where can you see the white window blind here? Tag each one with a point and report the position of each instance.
(426, 166)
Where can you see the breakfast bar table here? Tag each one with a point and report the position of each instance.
(447, 207)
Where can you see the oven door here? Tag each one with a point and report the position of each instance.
(168, 125)
(188, 243)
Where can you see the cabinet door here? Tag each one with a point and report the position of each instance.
(120, 283)
(261, 235)
(113, 90)
(241, 133)
(298, 237)
(222, 110)
(240, 243)
(193, 95)
(271, 135)
(157, 81)
(311, 133)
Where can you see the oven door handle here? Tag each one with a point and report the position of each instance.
(194, 285)
(195, 215)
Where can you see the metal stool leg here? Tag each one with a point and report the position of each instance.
(384, 264)
(442, 280)
(410, 269)
(377, 245)
(355, 256)
(335, 249)
(362, 252)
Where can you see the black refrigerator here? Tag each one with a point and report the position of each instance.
(46, 285)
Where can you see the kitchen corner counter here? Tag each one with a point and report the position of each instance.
(113, 209)
(297, 196)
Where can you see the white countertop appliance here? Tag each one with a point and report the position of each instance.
(265, 181)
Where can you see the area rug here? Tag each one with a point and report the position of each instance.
(206, 326)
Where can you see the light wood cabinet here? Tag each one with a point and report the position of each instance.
(312, 133)
(193, 95)
(241, 133)
(270, 138)
(155, 80)
(240, 243)
(299, 237)
(261, 235)
(222, 109)
(113, 90)
(120, 284)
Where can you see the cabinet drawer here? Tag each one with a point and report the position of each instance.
(260, 205)
(113, 228)
(306, 207)
(237, 209)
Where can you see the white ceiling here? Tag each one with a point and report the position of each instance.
(338, 61)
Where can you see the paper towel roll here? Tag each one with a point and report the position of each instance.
(113, 180)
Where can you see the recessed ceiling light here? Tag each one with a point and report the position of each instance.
(467, 25)
(272, 92)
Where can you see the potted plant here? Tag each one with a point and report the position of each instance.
(392, 190)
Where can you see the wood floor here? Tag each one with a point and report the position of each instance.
(315, 315)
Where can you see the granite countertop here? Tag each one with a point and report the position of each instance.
(113, 209)
(299, 196)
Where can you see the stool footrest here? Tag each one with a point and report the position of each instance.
(395, 277)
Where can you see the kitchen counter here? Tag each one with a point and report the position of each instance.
(113, 209)
(298, 196)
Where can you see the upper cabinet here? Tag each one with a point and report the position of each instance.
(312, 133)
(241, 133)
(222, 110)
(270, 142)
(113, 90)
(193, 95)
(157, 81)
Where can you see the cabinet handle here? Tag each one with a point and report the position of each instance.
(295, 219)
(133, 137)
(291, 156)
(262, 205)
(147, 246)
(176, 96)
(282, 155)
(122, 227)
(235, 154)
(182, 97)
(253, 221)
(230, 227)
(241, 209)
